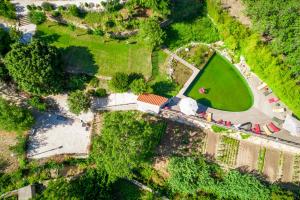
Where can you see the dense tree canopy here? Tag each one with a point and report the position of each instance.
(91, 185)
(161, 7)
(190, 175)
(151, 33)
(14, 118)
(125, 141)
(139, 86)
(119, 82)
(279, 19)
(7, 9)
(37, 17)
(34, 67)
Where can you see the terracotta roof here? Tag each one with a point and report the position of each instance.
(152, 99)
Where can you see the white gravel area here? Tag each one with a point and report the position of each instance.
(56, 135)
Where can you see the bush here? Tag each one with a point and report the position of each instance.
(37, 17)
(7, 9)
(78, 102)
(74, 10)
(14, 118)
(37, 103)
(218, 129)
(77, 82)
(119, 82)
(98, 32)
(47, 6)
(100, 92)
(55, 14)
(139, 86)
(71, 26)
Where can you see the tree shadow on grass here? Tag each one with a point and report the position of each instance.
(78, 60)
(47, 38)
(204, 102)
(164, 88)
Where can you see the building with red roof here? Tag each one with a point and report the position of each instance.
(151, 103)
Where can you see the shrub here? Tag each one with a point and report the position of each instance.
(47, 6)
(98, 32)
(77, 82)
(119, 82)
(55, 13)
(37, 17)
(218, 129)
(7, 9)
(14, 118)
(74, 10)
(78, 102)
(100, 92)
(71, 26)
(139, 86)
(37, 102)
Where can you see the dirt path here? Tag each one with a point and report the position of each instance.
(9, 163)
(248, 155)
(212, 144)
(271, 167)
(287, 173)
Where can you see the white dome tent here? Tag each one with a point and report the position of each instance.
(188, 106)
(292, 125)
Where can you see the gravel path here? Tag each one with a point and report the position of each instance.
(288, 161)
(212, 144)
(271, 166)
(247, 155)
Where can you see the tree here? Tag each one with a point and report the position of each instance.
(7, 9)
(125, 142)
(14, 118)
(119, 82)
(47, 6)
(151, 33)
(74, 10)
(140, 86)
(91, 185)
(34, 67)
(37, 17)
(4, 41)
(78, 102)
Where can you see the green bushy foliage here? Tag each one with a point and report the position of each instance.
(14, 118)
(47, 6)
(7, 9)
(119, 82)
(37, 17)
(37, 103)
(78, 102)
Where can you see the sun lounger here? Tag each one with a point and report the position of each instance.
(268, 92)
(277, 120)
(256, 129)
(278, 110)
(228, 123)
(262, 86)
(267, 131)
(273, 128)
(209, 117)
(202, 114)
(273, 100)
(220, 121)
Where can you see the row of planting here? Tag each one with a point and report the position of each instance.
(227, 151)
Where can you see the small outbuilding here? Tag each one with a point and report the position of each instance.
(151, 103)
(188, 106)
(292, 125)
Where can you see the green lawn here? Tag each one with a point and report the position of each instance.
(92, 54)
(226, 88)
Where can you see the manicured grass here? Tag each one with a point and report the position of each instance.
(226, 88)
(92, 54)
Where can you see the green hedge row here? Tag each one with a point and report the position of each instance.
(268, 67)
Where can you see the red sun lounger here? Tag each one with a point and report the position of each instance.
(256, 129)
(273, 100)
(273, 127)
(228, 123)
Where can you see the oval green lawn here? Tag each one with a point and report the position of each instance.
(226, 88)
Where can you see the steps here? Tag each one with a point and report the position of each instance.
(24, 20)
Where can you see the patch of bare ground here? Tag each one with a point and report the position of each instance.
(236, 9)
(248, 155)
(212, 144)
(287, 173)
(181, 139)
(9, 162)
(271, 166)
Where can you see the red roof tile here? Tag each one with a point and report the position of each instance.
(152, 99)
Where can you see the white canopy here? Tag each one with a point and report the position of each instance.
(292, 125)
(188, 106)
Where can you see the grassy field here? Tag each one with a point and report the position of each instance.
(92, 54)
(225, 88)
